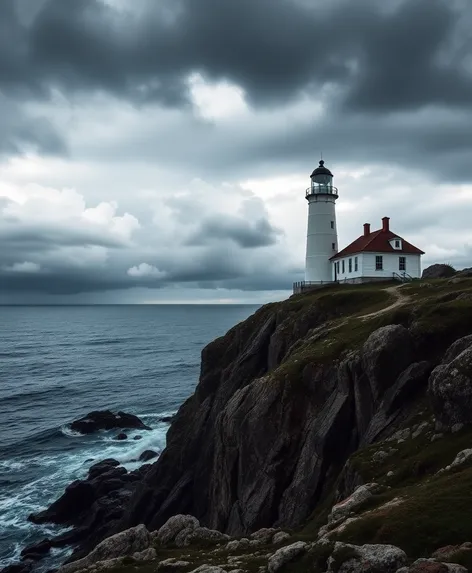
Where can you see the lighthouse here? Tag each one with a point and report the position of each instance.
(322, 236)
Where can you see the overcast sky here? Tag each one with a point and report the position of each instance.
(159, 150)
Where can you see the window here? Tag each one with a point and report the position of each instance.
(343, 268)
(397, 244)
(402, 263)
(334, 246)
(332, 224)
(378, 263)
(350, 265)
(355, 265)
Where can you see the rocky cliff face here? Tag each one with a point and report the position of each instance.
(285, 397)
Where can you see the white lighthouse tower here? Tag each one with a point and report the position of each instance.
(322, 236)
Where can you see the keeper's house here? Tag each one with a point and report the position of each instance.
(377, 255)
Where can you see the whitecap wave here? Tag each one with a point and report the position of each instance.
(69, 433)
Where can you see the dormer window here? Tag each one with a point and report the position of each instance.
(396, 243)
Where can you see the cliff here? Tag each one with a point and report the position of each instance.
(342, 416)
(287, 396)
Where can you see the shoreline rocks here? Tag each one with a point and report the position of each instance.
(107, 420)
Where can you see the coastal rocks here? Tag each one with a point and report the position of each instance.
(121, 436)
(148, 455)
(286, 554)
(173, 526)
(432, 566)
(450, 388)
(129, 542)
(438, 271)
(264, 535)
(280, 537)
(197, 535)
(92, 506)
(37, 550)
(107, 420)
(367, 558)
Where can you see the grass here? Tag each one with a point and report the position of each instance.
(434, 514)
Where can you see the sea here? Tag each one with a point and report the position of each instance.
(57, 363)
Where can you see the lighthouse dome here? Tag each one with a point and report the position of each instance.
(321, 170)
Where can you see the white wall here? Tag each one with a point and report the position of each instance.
(320, 238)
(366, 266)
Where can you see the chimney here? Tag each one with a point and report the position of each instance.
(366, 229)
(385, 225)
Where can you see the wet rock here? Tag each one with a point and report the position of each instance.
(286, 554)
(102, 467)
(348, 558)
(78, 496)
(167, 419)
(23, 567)
(39, 549)
(148, 455)
(107, 420)
(137, 438)
(121, 436)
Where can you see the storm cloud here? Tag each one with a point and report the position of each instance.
(156, 145)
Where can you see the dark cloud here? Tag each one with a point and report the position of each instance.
(405, 57)
(246, 234)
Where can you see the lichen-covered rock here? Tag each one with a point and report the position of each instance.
(173, 526)
(348, 558)
(208, 569)
(285, 555)
(238, 544)
(342, 509)
(450, 390)
(280, 537)
(147, 555)
(456, 348)
(198, 535)
(426, 566)
(133, 540)
(172, 564)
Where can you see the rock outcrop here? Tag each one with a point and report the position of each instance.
(450, 385)
(438, 271)
(107, 420)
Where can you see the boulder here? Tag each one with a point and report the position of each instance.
(107, 420)
(438, 271)
(450, 390)
(23, 567)
(280, 537)
(148, 554)
(174, 525)
(286, 554)
(348, 558)
(121, 436)
(38, 549)
(172, 564)
(148, 455)
(195, 535)
(78, 496)
(464, 273)
(102, 467)
(125, 543)
(342, 509)
(457, 348)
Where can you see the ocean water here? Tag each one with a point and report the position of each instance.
(58, 363)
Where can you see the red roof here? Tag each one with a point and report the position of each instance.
(378, 242)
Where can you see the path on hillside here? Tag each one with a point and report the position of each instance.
(401, 299)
